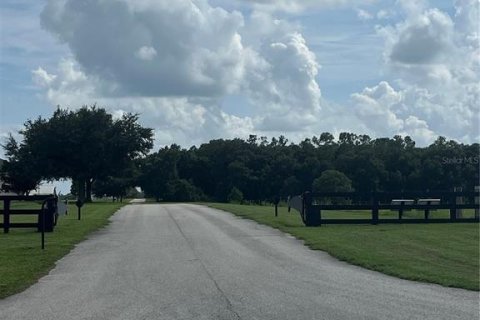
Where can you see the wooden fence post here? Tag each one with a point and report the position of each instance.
(477, 203)
(374, 208)
(6, 215)
(453, 207)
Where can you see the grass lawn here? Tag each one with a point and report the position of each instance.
(446, 254)
(23, 262)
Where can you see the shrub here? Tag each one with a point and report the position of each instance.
(235, 195)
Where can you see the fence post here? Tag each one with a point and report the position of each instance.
(276, 201)
(477, 203)
(453, 208)
(6, 215)
(312, 219)
(43, 213)
(374, 208)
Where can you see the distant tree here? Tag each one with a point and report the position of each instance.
(326, 138)
(19, 174)
(235, 195)
(332, 181)
(291, 187)
(183, 191)
(157, 170)
(263, 168)
(115, 187)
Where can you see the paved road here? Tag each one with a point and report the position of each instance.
(192, 262)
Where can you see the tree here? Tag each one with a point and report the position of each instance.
(263, 168)
(84, 145)
(115, 187)
(235, 195)
(157, 170)
(332, 181)
(182, 190)
(19, 173)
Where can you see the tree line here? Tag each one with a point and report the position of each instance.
(257, 169)
(107, 157)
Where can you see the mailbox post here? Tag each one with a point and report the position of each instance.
(79, 204)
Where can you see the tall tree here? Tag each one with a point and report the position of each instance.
(84, 145)
(19, 173)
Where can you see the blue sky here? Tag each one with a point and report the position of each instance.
(197, 69)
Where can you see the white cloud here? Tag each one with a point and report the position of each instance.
(421, 39)
(364, 15)
(194, 51)
(377, 106)
(42, 78)
(146, 53)
(174, 62)
(287, 82)
(384, 14)
(197, 48)
(295, 6)
(437, 66)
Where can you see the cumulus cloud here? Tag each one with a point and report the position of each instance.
(146, 53)
(387, 111)
(437, 66)
(183, 50)
(175, 61)
(197, 48)
(421, 39)
(364, 15)
(299, 6)
(42, 78)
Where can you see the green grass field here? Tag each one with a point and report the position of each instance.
(446, 254)
(22, 262)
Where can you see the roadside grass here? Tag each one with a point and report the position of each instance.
(445, 254)
(23, 262)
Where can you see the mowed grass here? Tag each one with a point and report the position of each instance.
(446, 254)
(23, 262)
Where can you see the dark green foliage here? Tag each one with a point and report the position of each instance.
(182, 190)
(235, 195)
(332, 181)
(111, 187)
(84, 145)
(18, 174)
(263, 169)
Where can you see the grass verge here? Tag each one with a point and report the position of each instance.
(446, 254)
(23, 262)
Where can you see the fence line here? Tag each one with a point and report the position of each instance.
(310, 206)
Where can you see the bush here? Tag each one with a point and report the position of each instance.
(332, 181)
(235, 196)
(183, 191)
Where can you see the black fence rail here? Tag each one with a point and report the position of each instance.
(46, 215)
(311, 206)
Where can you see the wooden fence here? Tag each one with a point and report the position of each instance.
(311, 206)
(46, 214)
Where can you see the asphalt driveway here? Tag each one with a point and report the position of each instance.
(180, 261)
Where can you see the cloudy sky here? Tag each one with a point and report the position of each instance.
(202, 69)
